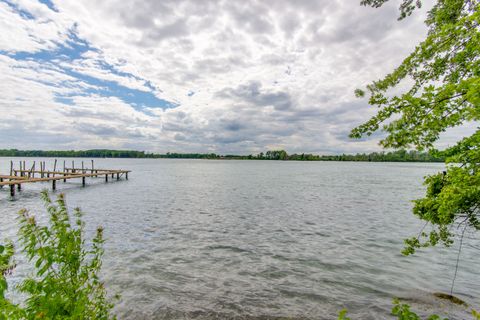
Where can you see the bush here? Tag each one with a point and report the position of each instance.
(65, 282)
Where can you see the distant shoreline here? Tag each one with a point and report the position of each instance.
(278, 155)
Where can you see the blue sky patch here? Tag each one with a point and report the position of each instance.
(49, 4)
(24, 14)
(73, 49)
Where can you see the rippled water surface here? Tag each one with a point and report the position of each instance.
(261, 239)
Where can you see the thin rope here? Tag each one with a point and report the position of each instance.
(458, 259)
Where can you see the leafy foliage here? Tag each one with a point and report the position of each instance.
(406, 7)
(476, 314)
(7, 309)
(397, 156)
(442, 77)
(403, 312)
(65, 284)
(343, 315)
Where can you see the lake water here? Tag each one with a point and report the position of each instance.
(199, 239)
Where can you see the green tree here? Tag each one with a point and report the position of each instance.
(66, 283)
(442, 77)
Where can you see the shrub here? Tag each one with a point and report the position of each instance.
(65, 283)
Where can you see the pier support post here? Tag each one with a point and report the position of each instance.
(118, 176)
(19, 186)
(12, 190)
(83, 181)
(106, 178)
(54, 186)
(1, 180)
(126, 175)
(112, 175)
(64, 180)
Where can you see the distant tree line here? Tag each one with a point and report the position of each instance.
(393, 156)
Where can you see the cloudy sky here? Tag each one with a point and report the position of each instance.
(222, 76)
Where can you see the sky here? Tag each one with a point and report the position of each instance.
(222, 76)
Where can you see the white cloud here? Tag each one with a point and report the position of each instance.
(246, 75)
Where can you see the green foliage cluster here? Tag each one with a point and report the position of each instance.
(97, 153)
(392, 156)
(66, 283)
(442, 77)
(403, 312)
(406, 6)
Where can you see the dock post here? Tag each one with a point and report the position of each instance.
(92, 166)
(106, 177)
(112, 175)
(19, 186)
(12, 190)
(1, 180)
(64, 180)
(11, 168)
(83, 181)
(83, 170)
(54, 168)
(73, 166)
(54, 184)
(126, 175)
(118, 176)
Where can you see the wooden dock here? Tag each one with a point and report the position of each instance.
(21, 176)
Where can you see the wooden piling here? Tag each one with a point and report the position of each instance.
(12, 190)
(118, 176)
(54, 184)
(106, 177)
(83, 181)
(54, 167)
